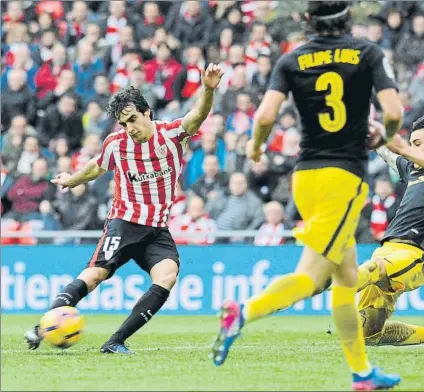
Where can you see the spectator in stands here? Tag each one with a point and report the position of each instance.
(76, 23)
(60, 148)
(375, 34)
(234, 21)
(29, 191)
(241, 210)
(210, 145)
(19, 100)
(238, 86)
(282, 164)
(259, 43)
(101, 89)
(93, 36)
(86, 68)
(162, 72)
(48, 39)
(62, 119)
(394, 27)
(14, 140)
(195, 227)
(104, 201)
(180, 202)
(188, 80)
(261, 180)
(382, 208)
(151, 20)
(16, 38)
(126, 40)
(66, 83)
(63, 165)
(91, 148)
(47, 77)
(5, 185)
(137, 79)
(235, 155)
(225, 41)
(260, 78)
(14, 14)
(235, 57)
(115, 21)
(30, 153)
(213, 182)
(194, 25)
(77, 209)
(95, 120)
(272, 230)
(22, 60)
(416, 88)
(410, 50)
(241, 120)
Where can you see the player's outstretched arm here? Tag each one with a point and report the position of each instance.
(388, 156)
(263, 122)
(89, 172)
(195, 117)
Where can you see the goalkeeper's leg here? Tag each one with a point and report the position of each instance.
(380, 332)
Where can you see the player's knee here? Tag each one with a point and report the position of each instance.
(93, 276)
(165, 274)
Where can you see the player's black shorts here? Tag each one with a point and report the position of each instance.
(122, 241)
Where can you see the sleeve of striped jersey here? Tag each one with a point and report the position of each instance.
(175, 130)
(106, 160)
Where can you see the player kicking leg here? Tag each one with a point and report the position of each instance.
(154, 251)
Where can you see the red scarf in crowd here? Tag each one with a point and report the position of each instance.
(379, 219)
(193, 81)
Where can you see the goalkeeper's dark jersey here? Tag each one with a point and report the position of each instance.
(408, 223)
(332, 78)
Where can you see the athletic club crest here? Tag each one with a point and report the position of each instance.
(161, 151)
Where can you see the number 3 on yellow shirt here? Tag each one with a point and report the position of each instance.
(337, 121)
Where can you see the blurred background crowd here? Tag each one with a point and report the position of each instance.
(61, 61)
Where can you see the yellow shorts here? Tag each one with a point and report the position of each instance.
(405, 269)
(330, 201)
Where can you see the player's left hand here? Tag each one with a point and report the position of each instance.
(212, 76)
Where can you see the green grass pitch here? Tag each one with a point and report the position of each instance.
(279, 353)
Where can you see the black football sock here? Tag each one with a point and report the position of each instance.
(142, 312)
(71, 295)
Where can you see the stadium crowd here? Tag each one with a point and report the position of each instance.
(61, 61)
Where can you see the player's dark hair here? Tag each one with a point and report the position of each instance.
(418, 124)
(129, 95)
(329, 17)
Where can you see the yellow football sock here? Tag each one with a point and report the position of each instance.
(368, 273)
(280, 294)
(349, 326)
(401, 334)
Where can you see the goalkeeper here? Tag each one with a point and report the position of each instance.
(398, 265)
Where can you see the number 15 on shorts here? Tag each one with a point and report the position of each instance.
(111, 244)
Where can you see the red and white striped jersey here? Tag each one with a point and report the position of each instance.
(269, 234)
(146, 174)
